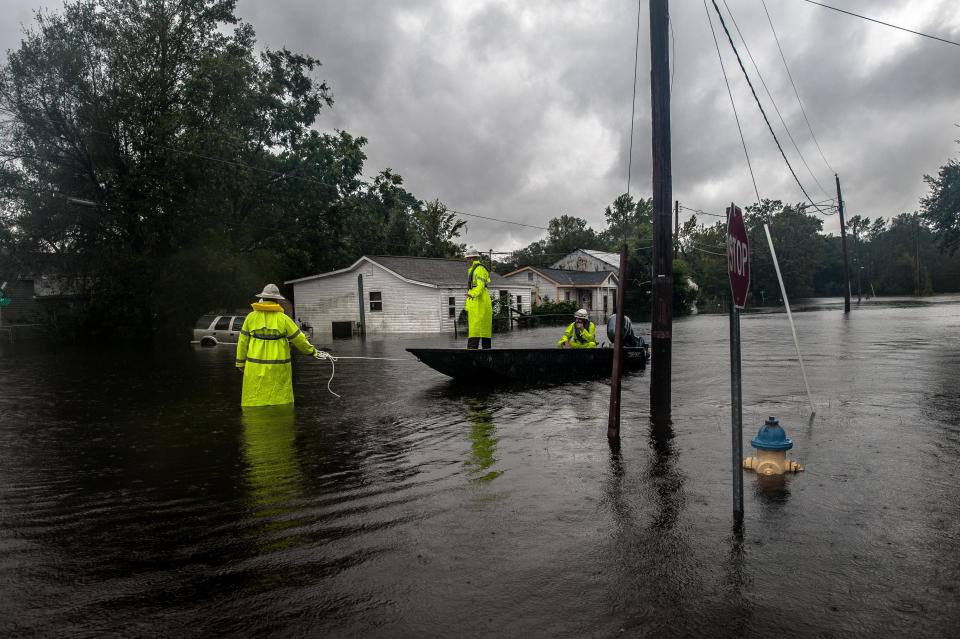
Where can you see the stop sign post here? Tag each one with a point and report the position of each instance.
(738, 268)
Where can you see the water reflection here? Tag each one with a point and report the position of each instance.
(772, 489)
(657, 569)
(273, 476)
(483, 443)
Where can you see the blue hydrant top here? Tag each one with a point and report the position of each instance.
(771, 437)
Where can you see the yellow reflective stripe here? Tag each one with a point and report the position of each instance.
(269, 361)
(262, 336)
(295, 334)
(241, 361)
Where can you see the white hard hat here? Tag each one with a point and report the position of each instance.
(472, 252)
(271, 292)
(581, 314)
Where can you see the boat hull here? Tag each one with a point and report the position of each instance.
(531, 365)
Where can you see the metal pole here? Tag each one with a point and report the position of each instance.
(786, 303)
(662, 320)
(363, 317)
(736, 402)
(613, 417)
(843, 244)
(737, 411)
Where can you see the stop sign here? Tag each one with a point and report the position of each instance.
(738, 256)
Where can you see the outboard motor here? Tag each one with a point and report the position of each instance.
(628, 339)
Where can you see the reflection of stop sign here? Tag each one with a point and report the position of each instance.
(738, 256)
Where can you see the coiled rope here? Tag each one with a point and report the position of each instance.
(333, 369)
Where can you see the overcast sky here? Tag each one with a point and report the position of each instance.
(521, 110)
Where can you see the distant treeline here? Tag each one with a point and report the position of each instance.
(161, 168)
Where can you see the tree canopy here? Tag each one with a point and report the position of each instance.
(152, 156)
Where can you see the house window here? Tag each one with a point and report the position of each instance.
(376, 301)
(605, 305)
(520, 303)
(529, 276)
(567, 296)
(451, 307)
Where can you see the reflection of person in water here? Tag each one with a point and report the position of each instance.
(272, 473)
(483, 444)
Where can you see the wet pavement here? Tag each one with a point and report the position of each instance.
(137, 499)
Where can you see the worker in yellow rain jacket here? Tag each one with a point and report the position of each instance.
(479, 307)
(581, 334)
(263, 352)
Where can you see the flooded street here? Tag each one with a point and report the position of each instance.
(137, 499)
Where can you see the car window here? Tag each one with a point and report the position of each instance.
(222, 323)
(204, 321)
(238, 322)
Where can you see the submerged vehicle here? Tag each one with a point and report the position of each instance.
(537, 365)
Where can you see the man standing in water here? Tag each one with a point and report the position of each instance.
(263, 351)
(478, 306)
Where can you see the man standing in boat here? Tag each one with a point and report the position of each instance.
(479, 307)
(581, 334)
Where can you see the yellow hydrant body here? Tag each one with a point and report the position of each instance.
(772, 445)
(771, 462)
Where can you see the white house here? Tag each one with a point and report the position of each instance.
(587, 260)
(392, 295)
(596, 291)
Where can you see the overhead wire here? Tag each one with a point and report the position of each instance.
(886, 24)
(759, 104)
(770, 96)
(633, 110)
(732, 103)
(795, 92)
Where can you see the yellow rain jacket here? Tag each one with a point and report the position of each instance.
(263, 352)
(587, 338)
(479, 307)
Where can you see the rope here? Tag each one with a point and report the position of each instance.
(333, 369)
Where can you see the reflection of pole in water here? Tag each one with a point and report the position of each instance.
(667, 481)
(483, 444)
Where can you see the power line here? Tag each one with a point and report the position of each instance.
(633, 110)
(795, 92)
(772, 101)
(293, 176)
(732, 104)
(493, 219)
(759, 105)
(886, 24)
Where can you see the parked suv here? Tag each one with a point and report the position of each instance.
(211, 330)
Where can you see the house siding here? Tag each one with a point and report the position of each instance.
(407, 307)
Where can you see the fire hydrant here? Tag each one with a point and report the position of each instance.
(772, 445)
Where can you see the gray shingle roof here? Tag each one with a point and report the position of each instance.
(431, 270)
(566, 277)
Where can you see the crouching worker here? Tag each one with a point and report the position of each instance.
(581, 334)
(263, 351)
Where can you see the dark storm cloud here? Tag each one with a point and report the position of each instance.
(521, 110)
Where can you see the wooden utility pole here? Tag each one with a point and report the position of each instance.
(916, 259)
(613, 417)
(843, 244)
(662, 321)
(676, 229)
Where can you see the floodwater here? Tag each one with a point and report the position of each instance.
(137, 499)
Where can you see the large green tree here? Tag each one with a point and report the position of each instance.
(942, 207)
(152, 156)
